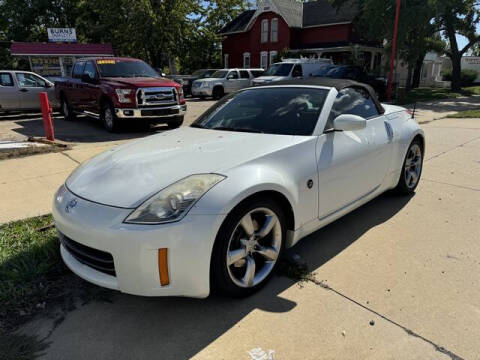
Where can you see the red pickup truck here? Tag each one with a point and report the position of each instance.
(118, 89)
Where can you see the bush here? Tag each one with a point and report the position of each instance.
(468, 76)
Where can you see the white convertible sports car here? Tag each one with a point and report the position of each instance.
(214, 205)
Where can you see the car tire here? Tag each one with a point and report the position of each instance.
(218, 93)
(66, 110)
(234, 255)
(176, 122)
(411, 169)
(108, 117)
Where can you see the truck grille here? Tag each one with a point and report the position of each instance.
(96, 259)
(157, 96)
(160, 112)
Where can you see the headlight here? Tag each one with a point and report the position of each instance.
(123, 94)
(174, 202)
(60, 194)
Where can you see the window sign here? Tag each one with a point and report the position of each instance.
(46, 66)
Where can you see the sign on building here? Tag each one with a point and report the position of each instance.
(62, 35)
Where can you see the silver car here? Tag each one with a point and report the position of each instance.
(19, 91)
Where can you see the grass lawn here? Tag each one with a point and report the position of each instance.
(33, 280)
(432, 94)
(465, 114)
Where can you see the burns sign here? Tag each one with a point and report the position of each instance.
(62, 35)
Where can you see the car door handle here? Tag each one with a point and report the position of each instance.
(23, 90)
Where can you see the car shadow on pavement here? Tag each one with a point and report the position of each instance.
(178, 328)
(82, 130)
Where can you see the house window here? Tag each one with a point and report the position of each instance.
(225, 60)
(264, 31)
(273, 56)
(246, 60)
(264, 59)
(274, 30)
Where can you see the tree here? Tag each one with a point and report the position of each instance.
(457, 17)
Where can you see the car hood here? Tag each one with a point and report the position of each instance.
(210, 79)
(266, 79)
(131, 173)
(141, 82)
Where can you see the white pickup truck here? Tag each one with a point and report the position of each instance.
(19, 91)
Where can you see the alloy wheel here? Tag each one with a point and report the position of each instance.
(254, 247)
(413, 166)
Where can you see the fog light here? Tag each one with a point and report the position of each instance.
(128, 112)
(163, 266)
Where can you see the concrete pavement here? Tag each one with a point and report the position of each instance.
(396, 279)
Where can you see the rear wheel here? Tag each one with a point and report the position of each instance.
(66, 109)
(218, 93)
(248, 248)
(109, 120)
(176, 122)
(412, 168)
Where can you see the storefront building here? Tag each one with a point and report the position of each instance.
(56, 59)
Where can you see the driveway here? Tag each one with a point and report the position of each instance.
(396, 279)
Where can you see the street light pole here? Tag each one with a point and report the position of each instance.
(394, 50)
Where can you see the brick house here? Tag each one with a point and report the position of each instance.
(257, 36)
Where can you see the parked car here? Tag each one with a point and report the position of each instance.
(224, 82)
(291, 69)
(19, 91)
(114, 89)
(356, 73)
(187, 80)
(216, 204)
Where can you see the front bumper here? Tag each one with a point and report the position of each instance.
(151, 112)
(134, 248)
(202, 91)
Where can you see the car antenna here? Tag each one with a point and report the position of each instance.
(414, 108)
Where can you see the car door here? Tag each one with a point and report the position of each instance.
(244, 79)
(30, 86)
(9, 95)
(89, 90)
(352, 164)
(233, 82)
(74, 86)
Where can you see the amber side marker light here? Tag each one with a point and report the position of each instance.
(163, 266)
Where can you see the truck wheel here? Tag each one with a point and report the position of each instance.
(217, 93)
(109, 119)
(176, 122)
(66, 109)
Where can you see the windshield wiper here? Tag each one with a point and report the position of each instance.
(239, 129)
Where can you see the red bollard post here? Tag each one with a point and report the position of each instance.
(47, 116)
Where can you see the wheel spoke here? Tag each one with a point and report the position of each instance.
(250, 272)
(268, 253)
(408, 177)
(236, 255)
(247, 224)
(270, 222)
(414, 177)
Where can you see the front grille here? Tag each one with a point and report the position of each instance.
(96, 259)
(160, 112)
(157, 96)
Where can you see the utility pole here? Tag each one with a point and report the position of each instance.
(394, 51)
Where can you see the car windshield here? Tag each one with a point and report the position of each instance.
(220, 74)
(279, 70)
(282, 111)
(125, 68)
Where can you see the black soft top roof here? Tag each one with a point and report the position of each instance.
(338, 84)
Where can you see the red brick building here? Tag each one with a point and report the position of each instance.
(255, 37)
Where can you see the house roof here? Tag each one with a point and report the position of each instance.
(298, 14)
(321, 12)
(73, 49)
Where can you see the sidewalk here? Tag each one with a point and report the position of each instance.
(439, 109)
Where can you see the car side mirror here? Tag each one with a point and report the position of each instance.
(348, 122)
(48, 84)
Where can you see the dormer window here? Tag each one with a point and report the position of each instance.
(264, 31)
(274, 30)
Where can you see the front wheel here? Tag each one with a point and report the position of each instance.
(218, 93)
(109, 120)
(175, 122)
(412, 168)
(248, 248)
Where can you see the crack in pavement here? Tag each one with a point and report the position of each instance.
(455, 185)
(456, 147)
(437, 347)
(70, 157)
